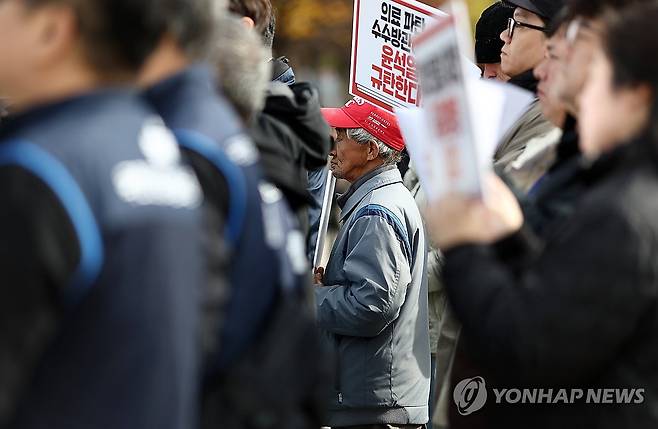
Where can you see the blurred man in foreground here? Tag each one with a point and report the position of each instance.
(101, 264)
(289, 131)
(264, 329)
(576, 321)
(578, 33)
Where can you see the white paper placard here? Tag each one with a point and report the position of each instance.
(447, 109)
(453, 136)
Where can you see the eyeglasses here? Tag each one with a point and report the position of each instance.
(513, 23)
(572, 31)
(581, 29)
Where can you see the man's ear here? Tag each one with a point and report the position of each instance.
(645, 95)
(56, 30)
(248, 22)
(373, 151)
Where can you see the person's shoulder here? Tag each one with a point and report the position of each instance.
(106, 110)
(272, 134)
(622, 203)
(23, 191)
(41, 222)
(637, 192)
(271, 126)
(397, 199)
(101, 127)
(535, 124)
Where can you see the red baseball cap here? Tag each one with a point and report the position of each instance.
(358, 113)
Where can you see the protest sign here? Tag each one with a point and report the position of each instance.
(453, 136)
(383, 69)
(447, 111)
(495, 108)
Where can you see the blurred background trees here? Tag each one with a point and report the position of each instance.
(316, 35)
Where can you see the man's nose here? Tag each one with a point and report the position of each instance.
(333, 153)
(540, 71)
(504, 36)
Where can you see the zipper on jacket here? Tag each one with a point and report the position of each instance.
(337, 374)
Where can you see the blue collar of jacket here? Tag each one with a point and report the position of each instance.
(72, 108)
(378, 178)
(190, 100)
(194, 82)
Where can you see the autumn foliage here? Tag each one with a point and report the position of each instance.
(317, 33)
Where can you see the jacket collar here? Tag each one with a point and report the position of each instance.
(193, 83)
(73, 107)
(526, 80)
(568, 148)
(378, 178)
(626, 156)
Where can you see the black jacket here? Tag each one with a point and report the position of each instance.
(526, 80)
(555, 195)
(581, 314)
(292, 138)
(549, 202)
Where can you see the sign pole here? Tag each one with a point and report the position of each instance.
(327, 203)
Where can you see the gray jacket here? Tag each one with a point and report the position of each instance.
(530, 125)
(444, 326)
(374, 307)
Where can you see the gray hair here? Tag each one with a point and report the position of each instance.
(241, 62)
(192, 23)
(269, 32)
(361, 136)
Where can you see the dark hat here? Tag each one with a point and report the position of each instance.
(487, 33)
(546, 9)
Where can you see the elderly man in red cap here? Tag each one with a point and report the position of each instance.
(372, 297)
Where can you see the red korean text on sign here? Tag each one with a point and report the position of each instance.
(396, 75)
(448, 126)
(447, 117)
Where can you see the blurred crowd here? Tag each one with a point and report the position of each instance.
(163, 179)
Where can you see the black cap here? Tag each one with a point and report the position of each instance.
(487, 33)
(546, 9)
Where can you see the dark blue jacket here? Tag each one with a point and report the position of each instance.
(101, 269)
(266, 250)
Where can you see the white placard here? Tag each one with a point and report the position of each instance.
(383, 69)
(447, 112)
(494, 107)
